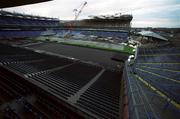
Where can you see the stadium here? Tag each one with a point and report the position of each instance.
(96, 68)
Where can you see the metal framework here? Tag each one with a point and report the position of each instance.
(12, 3)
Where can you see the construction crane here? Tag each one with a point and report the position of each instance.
(77, 12)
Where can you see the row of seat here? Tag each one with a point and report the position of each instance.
(15, 85)
(166, 73)
(6, 20)
(9, 50)
(97, 33)
(165, 66)
(103, 97)
(106, 34)
(139, 103)
(7, 59)
(9, 92)
(38, 65)
(161, 50)
(22, 109)
(67, 81)
(27, 61)
(160, 69)
(73, 77)
(8, 34)
(9, 113)
(16, 54)
(13, 93)
(57, 111)
(78, 73)
(33, 111)
(158, 59)
(10, 88)
(165, 85)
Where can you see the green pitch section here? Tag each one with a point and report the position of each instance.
(90, 44)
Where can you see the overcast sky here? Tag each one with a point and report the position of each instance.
(152, 13)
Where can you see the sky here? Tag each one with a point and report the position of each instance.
(146, 13)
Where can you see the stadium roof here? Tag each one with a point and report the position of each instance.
(20, 15)
(13, 3)
(152, 34)
(125, 17)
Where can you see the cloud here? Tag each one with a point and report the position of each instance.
(157, 22)
(142, 10)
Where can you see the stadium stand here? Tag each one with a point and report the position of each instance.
(8, 34)
(158, 50)
(167, 83)
(143, 102)
(102, 98)
(35, 85)
(155, 70)
(95, 32)
(17, 25)
(72, 81)
(17, 19)
(67, 81)
(23, 25)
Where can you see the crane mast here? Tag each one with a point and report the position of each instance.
(77, 13)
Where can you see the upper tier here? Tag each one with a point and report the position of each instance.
(17, 19)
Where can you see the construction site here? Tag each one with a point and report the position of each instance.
(94, 68)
